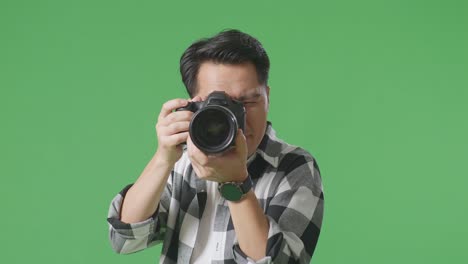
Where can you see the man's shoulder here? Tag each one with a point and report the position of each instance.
(293, 157)
(282, 154)
(294, 166)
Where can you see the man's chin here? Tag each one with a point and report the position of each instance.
(252, 148)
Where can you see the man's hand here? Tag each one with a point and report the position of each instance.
(172, 130)
(142, 199)
(229, 166)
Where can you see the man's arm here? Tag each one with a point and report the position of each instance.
(131, 237)
(251, 225)
(134, 212)
(143, 197)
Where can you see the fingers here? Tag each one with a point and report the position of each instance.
(176, 139)
(197, 167)
(196, 154)
(170, 106)
(241, 142)
(174, 128)
(196, 99)
(203, 172)
(178, 116)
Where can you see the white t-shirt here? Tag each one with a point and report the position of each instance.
(205, 238)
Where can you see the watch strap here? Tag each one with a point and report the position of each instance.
(246, 185)
(226, 189)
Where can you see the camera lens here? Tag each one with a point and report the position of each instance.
(213, 129)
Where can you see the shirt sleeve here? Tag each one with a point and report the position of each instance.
(294, 213)
(128, 238)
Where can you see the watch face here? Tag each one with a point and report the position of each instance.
(231, 192)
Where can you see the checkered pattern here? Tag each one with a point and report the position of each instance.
(287, 183)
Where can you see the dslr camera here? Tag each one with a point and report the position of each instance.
(214, 124)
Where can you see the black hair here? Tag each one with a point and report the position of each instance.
(230, 46)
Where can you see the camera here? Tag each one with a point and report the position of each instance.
(214, 124)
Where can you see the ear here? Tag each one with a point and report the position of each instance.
(267, 89)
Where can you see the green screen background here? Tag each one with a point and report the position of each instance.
(375, 90)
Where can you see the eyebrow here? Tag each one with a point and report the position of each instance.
(253, 95)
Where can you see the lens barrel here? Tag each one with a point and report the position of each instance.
(213, 129)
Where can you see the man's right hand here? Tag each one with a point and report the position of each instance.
(142, 199)
(172, 130)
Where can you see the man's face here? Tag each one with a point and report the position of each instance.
(241, 83)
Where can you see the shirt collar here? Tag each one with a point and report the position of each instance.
(270, 146)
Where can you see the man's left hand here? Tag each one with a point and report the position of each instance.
(229, 166)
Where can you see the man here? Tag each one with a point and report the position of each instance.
(176, 199)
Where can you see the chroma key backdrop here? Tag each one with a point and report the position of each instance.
(375, 90)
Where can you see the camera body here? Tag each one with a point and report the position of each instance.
(213, 127)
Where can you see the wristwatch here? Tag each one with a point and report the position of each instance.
(235, 191)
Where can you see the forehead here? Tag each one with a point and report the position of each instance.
(237, 80)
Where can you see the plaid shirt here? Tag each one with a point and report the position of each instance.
(288, 186)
